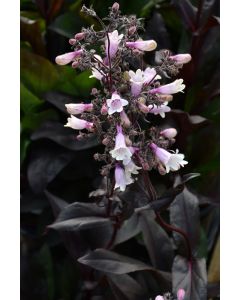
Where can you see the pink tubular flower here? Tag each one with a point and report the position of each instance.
(159, 109)
(121, 179)
(171, 88)
(181, 58)
(143, 107)
(172, 161)
(149, 45)
(78, 108)
(180, 294)
(116, 103)
(121, 151)
(115, 40)
(139, 78)
(78, 124)
(159, 298)
(124, 119)
(66, 58)
(169, 133)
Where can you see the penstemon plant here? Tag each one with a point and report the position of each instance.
(118, 116)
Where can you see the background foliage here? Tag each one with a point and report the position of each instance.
(55, 167)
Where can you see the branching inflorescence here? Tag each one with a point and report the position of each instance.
(131, 91)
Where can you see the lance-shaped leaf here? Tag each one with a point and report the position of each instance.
(45, 164)
(63, 136)
(129, 229)
(110, 262)
(157, 242)
(125, 287)
(56, 203)
(184, 214)
(190, 276)
(187, 12)
(76, 224)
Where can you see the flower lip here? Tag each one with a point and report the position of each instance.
(116, 103)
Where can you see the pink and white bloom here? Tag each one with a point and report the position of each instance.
(159, 109)
(171, 161)
(124, 119)
(115, 40)
(181, 59)
(78, 108)
(121, 179)
(66, 58)
(121, 151)
(159, 298)
(180, 294)
(171, 88)
(139, 78)
(116, 103)
(169, 133)
(131, 168)
(148, 45)
(95, 73)
(78, 124)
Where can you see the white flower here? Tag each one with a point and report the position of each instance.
(78, 124)
(121, 151)
(116, 103)
(131, 168)
(78, 108)
(159, 298)
(171, 88)
(66, 58)
(95, 73)
(159, 109)
(172, 161)
(115, 40)
(121, 179)
(142, 45)
(139, 78)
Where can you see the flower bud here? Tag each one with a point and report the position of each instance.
(104, 109)
(72, 41)
(180, 294)
(148, 45)
(106, 141)
(169, 133)
(79, 36)
(161, 169)
(124, 119)
(128, 142)
(115, 7)
(75, 64)
(132, 30)
(143, 108)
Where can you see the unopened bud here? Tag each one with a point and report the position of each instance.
(161, 169)
(75, 64)
(104, 109)
(72, 41)
(115, 7)
(124, 119)
(79, 36)
(128, 141)
(145, 166)
(106, 141)
(180, 294)
(169, 133)
(132, 30)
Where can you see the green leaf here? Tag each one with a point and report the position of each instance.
(67, 24)
(37, 73)
(28, 101)
(32, 121)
